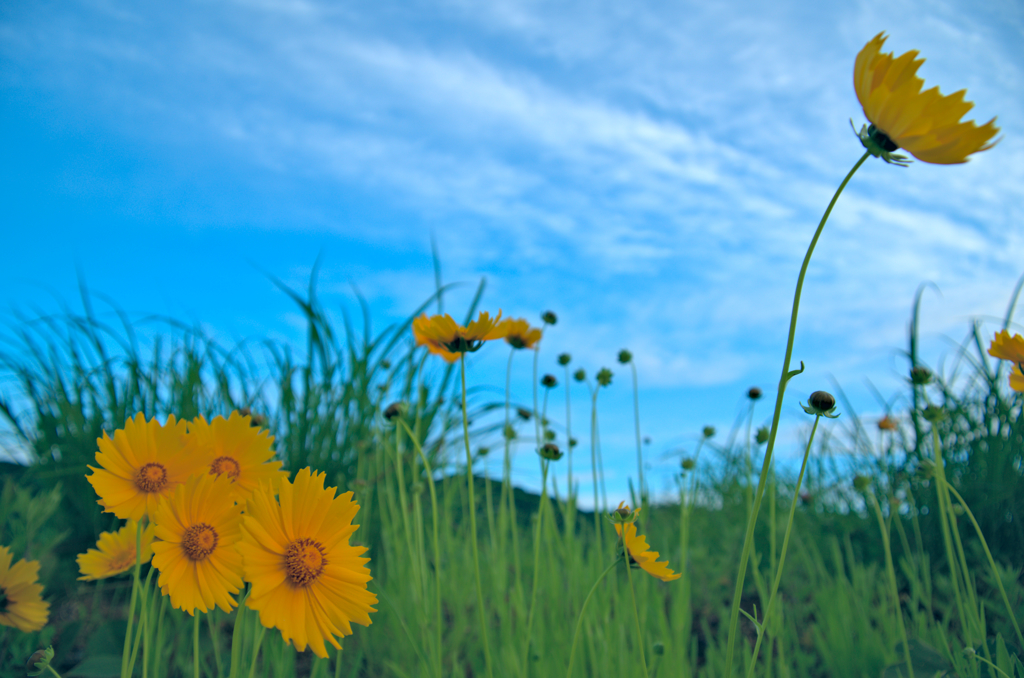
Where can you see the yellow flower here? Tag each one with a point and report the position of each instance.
(1005, 347)
(444, 337)
(143, 463)
(115, 552)
(640, 553)
(198, 529)
(237, 449)
(307, 580)
(1017, 379)
(519, 334)
(21, 599)
(925, 124)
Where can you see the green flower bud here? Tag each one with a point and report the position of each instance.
(920, 375)
(573, 442)
(509, 433)
(625, 356)
(934, 413)
(688, 464)
(754, 393)
(579, 375)
(659, 649)
(821, 403)
(394, 410)
(861, 483)
(548, 381)
(39, 661)
(549, 317)
(524, 413)
(709, 431)
(762, 435)
(604, 376)
(549, 434)
(564, 359)
(550, 452)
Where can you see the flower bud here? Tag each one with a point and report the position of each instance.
(926, 468)
(754, 393)
(623, 514)
(393, 410)
(625, 356)
(564, 359)
(509, 433)
(550, 452)
(709, 432)
(604, 376)
(688, 464)
(762, 435)
(548, 381)
(861, 483)
(659, 649)
(549, 435)
(934, 413)
(573, 442)
(920, 375)
(821, 403)
(39, 661)
(524, 413)
(549, 317)
(887, 423)
(386, 364)
(579, 375)
(483, 451)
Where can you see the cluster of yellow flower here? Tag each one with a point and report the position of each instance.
(442, 336)
(220, 512)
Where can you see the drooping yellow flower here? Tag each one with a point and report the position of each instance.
(143, 463)
(1005, 347)
(519, 334)
(444, 337)
(640, 552)
(198, 531)
(21, 596)
(307, 580)
(235, 448)
(115, 552)
(925, 124)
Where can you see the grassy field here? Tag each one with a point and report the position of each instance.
(868, 564)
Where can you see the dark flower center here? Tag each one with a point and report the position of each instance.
(227, 465)
(882, 139)
(304, 561)
(199, 541)
(151, 478)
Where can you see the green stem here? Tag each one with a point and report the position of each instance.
(237, 633)
(53, 671)
(593, 468)
(639, 447)
(437, 541)
(159, 645)
(636, 612)
(536, 566)
(992, 564)
(256, 650)
(748, 539)
(143, 622)
(782, 554)
(568, 443)
(579, 620)
(893, 589)
(472, 525)
(195, 644)
(940, 478)
(125, 655)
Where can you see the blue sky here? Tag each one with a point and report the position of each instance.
(650, 171)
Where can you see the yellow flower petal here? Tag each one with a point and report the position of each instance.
(24, 608)
(924, 123)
